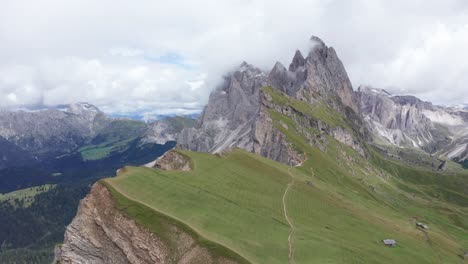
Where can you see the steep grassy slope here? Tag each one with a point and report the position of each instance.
(336, 207)
(236, 201)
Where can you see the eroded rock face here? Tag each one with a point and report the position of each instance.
(101, 234)
(166, 129)
(269, 142)
(228, 118)
(400, 120)
(347, 139)
(407, 121)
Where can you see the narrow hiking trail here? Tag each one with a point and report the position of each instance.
(291, 225)
(285, 210)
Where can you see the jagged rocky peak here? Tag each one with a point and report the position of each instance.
(321, 75)
(248, 70)
(237, 116)
(278, 68)
(283, 79)
(231, 110)
(318, 41)
(318, 47)
(244, 77)
(298, 61)
(329, 73)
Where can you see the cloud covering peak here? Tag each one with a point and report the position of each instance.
(166, 56)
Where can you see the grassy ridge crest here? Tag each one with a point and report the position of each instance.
(159, 224)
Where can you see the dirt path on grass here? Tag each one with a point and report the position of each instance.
(285, 210)
(291, 225)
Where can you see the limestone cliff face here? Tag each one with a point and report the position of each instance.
(407, 121)
(101, 234)
(400, 119)
(236, 114)
(268, 141)
(228, 118)
(166, 129)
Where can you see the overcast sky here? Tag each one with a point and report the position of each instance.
(164, 57)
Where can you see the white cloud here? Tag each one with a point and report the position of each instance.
(125, 52)
(12, 97)
(163, 56)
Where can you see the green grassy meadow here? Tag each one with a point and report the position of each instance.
(25, 197)
(236, 201)
(103, 150)
(341, 205)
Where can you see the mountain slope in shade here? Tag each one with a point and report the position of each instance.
(50, 132)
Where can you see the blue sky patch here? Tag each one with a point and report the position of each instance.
(172, 58)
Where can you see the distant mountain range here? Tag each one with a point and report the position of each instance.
(50, 133)
(297, 137)
(69, 148)
(406, 121)
(235, 114)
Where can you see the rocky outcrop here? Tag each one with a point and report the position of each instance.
(236, 114)
(173, 160)
(101, 234)
(346, 138)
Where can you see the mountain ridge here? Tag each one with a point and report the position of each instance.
(407, 121)
(235, 115)
(344, 194)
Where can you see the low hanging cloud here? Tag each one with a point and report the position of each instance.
(162, 57)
